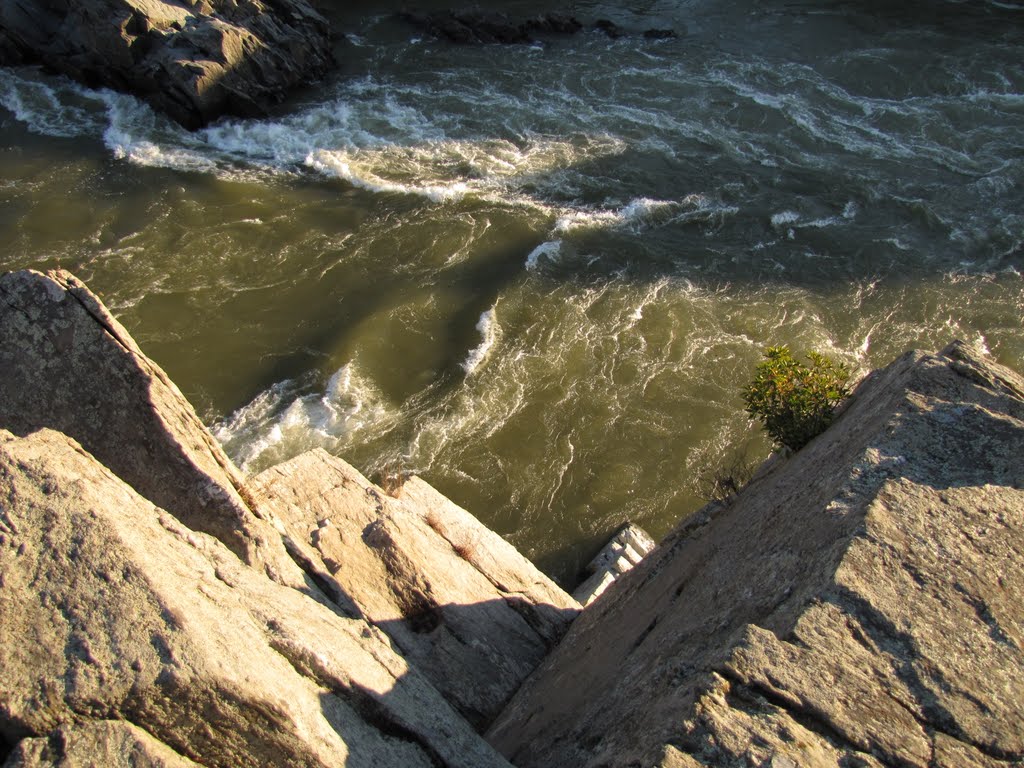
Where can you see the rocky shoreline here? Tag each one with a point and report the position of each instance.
(856, 604)
(199, 60)
(195, 60)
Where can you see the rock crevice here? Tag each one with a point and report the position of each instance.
(157, 610)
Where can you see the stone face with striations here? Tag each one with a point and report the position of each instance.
(857, 604)
(111, 609)
(193, 59)
(106, 743)
(459, 602)
(67, 364)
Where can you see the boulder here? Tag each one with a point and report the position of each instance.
(857, 604)
(112, 610)
(193, 59)
(67, 364)
(460, 603)
(610, 28)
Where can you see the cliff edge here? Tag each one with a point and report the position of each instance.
(858, 604)
(157, 608)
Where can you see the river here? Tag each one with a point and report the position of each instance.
(539, 275)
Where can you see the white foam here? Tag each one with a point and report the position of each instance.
(785, 217)
(549, 250)
(46, 109)
(337, 164)
(282, 422)
(489, 330)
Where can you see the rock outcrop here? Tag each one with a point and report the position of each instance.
(481, 27)
(193, 59)
(156, 610)
(460, 603)
(111, 609)
(858, 604)
(106, 743)
(476, 27)
(67, 364)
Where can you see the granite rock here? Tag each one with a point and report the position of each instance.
(106, 743)
(193, 59)
(461, 604)
(859, 603)
(112, 610)
(67, 364)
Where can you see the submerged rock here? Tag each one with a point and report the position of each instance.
(481, 27)
(194, 60)
(857, 604)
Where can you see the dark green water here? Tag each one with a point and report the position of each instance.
(538, 276)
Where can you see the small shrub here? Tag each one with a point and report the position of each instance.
(796, 402)
(392, 477)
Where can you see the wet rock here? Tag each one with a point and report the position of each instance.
(610, 28)
(194, 60)
(554, 24)
(479, 27)
(461, 604)
(857, 604)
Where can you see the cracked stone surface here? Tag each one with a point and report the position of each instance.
(193, 59)
(859, 604)
(67, 364)
(112, 610)
(463, 605)
(154, 610)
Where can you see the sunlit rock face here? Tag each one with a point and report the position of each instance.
(857, 604)
(194, 60)
(113, 610)
(158, 609)
(460, 603)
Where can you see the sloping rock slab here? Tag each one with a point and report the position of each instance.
(858, 604)
(67, 364)
(470, 612)
(106, 743)
(111, 609)
(193, 59)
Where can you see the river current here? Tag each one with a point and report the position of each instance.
(539, 275)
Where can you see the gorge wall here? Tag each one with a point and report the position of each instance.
(858, 604)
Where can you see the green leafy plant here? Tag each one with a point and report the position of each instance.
(796, 402)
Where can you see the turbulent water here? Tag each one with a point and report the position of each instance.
(538, 275)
